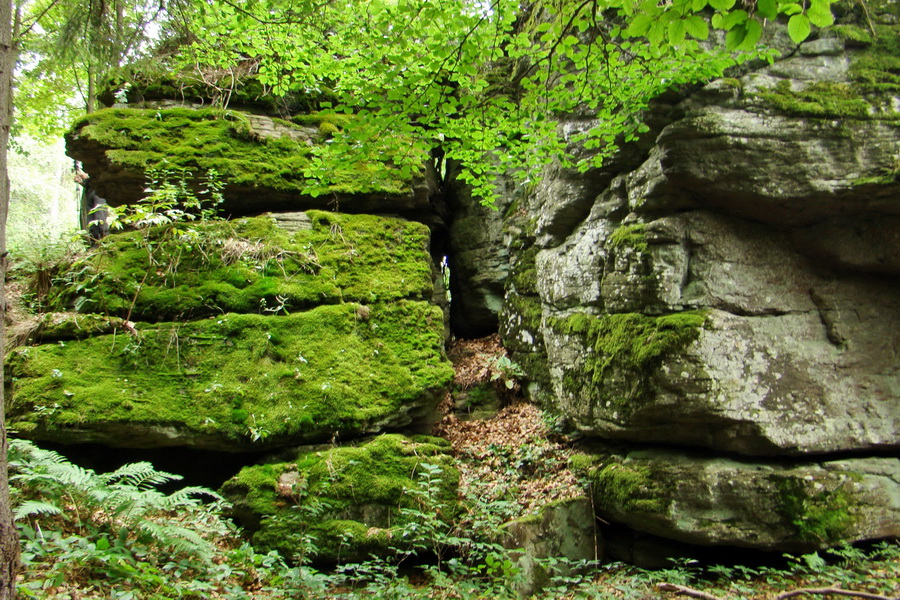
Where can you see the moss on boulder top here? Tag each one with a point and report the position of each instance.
(237, 336)
(198, 269)
(344, 504)
(235, 382)
(264, 163)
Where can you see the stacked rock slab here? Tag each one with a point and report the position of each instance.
(261, 332)
(735, 293)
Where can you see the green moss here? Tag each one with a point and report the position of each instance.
(299, 377)
(820, 515)
(348, 499)
(523, 274)
(629, 236)
(205, 139)
(250, 266)
(627, 348)
(877, 69)
(624, 488)
(823, 99)
(875, 79)
(854, 33)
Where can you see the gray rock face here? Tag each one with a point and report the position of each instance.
(718, 501)
(562, 530)
(734, 290)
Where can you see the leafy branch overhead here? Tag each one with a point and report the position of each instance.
(482, 81)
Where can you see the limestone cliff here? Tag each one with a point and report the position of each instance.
(731, 287)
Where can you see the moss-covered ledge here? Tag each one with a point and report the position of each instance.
(780, 506)
(264, 163)
(344, 504)
(236, 381)
(249, 266)
(619, 354)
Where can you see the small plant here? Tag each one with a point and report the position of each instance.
(505, 370)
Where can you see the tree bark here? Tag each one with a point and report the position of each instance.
(9, 539)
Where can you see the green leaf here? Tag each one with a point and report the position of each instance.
(820, 15)
(698, 5)
(790, 9)
(733, 18)
(735, 37)
(639, 25)
(676, 32)
(721, 4)
(798, 28)
(696, 27)
(767, 9)
(754, 33)
(102, 544)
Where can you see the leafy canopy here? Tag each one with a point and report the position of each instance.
(483, 79)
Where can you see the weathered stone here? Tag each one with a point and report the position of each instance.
(553, 542)
(479, 264)
(258, 160)
(347, 503)
(245, 338)
(795, 507)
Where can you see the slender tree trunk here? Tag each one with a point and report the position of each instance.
(9, 539)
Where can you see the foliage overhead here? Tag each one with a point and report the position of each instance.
(482, 80)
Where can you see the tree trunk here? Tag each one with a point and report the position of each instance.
(9, 539)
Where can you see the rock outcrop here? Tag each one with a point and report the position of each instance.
(237, 336)
(733, 289)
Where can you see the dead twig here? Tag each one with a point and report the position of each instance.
(686, 591)
(833, 590)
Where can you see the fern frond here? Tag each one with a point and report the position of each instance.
(176, 537)
(30, 508)
(189, 496)
(140, 474)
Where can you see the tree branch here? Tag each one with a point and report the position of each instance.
(833, 590)
(686, 591)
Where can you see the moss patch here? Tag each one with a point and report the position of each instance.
(624, 350)
(236, 380)
(199, 269)
(345, 502)
(820, 514)
(624, 488)
(874, 74)
(629, 236)
(223, 140)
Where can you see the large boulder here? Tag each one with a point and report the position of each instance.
(237, 336)
(729, 286)
(346, 504)
(793, 506)
(263, 163)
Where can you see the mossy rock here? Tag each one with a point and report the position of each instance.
(622, 353)
(345, 504)
(869, 94)
(796, 506)
(261, 170)
(236, 381)
(199, 269)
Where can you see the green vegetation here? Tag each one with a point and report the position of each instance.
(823, 99)
(820, 515)
(625, 347)
(249, 266)
(200, 140)
(236, 377)
(343, 504)
(874, 80)
(113, 536)
(629, 236)
(622, 488)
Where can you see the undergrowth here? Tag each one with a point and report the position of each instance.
(116, 536)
